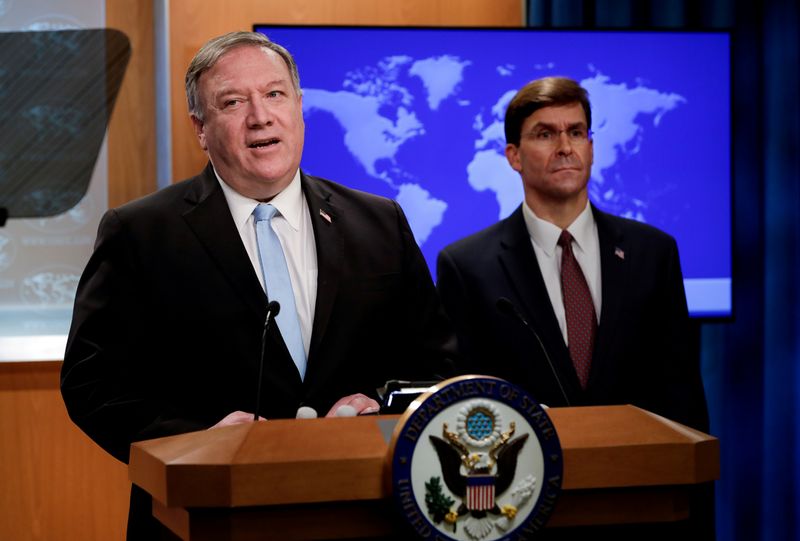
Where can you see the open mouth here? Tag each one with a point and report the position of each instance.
(263, 143)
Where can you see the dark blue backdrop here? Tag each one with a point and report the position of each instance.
(751, 366)
(444, 154)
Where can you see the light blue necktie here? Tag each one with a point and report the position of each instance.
(278, 284)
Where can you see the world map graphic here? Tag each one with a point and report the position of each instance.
(416, 115)
(379, 111)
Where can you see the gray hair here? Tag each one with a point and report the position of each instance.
(214, 49)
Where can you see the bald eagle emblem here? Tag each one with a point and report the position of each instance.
(478, 464)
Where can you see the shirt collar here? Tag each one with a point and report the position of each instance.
(545, 234)
(289, 202)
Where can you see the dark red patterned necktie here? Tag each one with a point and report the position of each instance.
(579, 308)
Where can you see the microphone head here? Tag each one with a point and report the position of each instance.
(274, 308)
(505, 306)
(345, 411)
(306, 412)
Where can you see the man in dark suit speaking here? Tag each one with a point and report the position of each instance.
(166, 335)
(593, 309)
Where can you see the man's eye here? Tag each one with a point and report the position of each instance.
(274, 94)
(544, 135)
(231, 103)
(577, 133)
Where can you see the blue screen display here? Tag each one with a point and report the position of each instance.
(416, 114)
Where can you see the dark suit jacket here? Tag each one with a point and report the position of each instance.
(168, 319)
(643, 354)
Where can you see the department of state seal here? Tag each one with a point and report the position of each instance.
(475, 459)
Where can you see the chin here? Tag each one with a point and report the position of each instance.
(567, 193)
(270, 175)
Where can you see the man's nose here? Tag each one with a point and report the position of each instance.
(259, 113)
(563, 143)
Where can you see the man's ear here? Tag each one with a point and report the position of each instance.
(198, 126)
(512, 155)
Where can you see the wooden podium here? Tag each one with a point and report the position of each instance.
(326, 478)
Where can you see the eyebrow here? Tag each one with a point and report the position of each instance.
(552, 127)
(227, 91)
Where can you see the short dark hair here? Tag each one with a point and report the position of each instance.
(215, 48)
(543, 93)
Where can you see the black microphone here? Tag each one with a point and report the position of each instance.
(506, 307)
(272, 310)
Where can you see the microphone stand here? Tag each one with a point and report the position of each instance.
(506, 307)
(272, 310)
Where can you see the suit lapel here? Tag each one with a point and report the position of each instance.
(522, 270)
(210, 219)
(329, 243)
(614, 269)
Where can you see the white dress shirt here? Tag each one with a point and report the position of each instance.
(293, 226)
(586, 247)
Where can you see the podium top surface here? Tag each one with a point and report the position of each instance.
(345, 459)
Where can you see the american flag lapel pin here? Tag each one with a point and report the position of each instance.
(619, 253)
(325, 215)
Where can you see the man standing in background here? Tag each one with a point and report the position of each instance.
(593, 309)
(575, 305)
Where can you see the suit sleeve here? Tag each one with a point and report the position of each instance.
(455, 297)
(684, 396)
(109, 380)
(430, 331)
